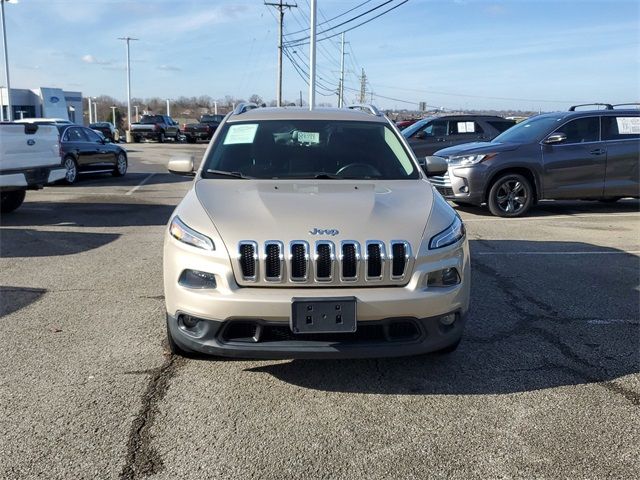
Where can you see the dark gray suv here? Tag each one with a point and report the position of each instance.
(434, 133)
(590, 155)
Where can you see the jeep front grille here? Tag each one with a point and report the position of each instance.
(323, 262)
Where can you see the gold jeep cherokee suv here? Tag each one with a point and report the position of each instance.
(313, 234)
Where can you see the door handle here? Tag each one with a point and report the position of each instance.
(598, 151)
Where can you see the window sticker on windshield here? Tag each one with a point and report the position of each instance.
(309, 137)
(466, 127)
(241, 134)
(628, 125)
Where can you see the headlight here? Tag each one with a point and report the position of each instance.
(449, 235)
(465, 160)
(180, 231)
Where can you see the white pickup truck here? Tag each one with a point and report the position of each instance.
(29, 160)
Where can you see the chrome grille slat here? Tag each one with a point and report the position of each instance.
(248, 257)
(349, 260)
(441, 180)
(375, 258)
(399, 255)
(325, 258)
(273, 260)
(299, 251)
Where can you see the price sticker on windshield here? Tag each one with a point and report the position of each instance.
(309, 137)
(241, 134)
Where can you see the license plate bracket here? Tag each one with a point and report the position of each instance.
(323, 315)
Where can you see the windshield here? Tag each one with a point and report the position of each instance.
(411, 129)
(323, 149)
(530, 130)
(151, 119)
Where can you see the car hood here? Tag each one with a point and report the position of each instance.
(289, 210)
(476, 147)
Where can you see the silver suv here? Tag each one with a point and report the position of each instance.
(313, 234)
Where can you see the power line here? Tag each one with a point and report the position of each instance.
(333, 18)
(346, 21)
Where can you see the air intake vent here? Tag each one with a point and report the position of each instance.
(375, 259)
(400, 254)
(299, 261)
(273, 261)
(325, 257)
(350, 260)
(249, 260)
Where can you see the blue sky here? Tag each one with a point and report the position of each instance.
(526, 55)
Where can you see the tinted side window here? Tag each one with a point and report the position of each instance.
(501, 125)
(620, 127)
(437, 128)
(92, 136)
(74, 135)
(462, 127)
(581, 130)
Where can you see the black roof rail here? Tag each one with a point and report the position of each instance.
(366, 107)
(244, 107)
(607, 106)
(625, 104)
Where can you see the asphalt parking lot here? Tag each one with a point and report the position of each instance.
(545, 384)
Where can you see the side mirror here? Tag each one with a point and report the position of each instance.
(435, 166)
(555, 138)
(181, 166)
(420, 135)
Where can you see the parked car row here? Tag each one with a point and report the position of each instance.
(587, 155)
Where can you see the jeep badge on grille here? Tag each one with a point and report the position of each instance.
(328, 231)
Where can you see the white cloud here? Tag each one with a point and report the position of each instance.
(88, 58)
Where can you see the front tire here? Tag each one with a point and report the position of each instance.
(9, 201)
(121, 165)
(511, 195)
(161, 137)
(71, 176)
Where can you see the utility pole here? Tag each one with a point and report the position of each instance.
(128, 40)
(6, 59)
(300, 97)
(341, 88)
(312, 56)
(281, 8)
(363, 87)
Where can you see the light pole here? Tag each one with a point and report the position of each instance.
(1, 104)
(6, 57)
(90, 115)
(168, 108)
(113, 114)
(312, 56)
(137, 116)
(128, 40)
(95, 109)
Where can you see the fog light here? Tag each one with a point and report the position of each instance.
(448, 319)
(444, 278)
(464, 189)
(190, 321)
(197, 279)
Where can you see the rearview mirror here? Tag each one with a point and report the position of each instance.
(435, 166)
(555, 138)
(181, 166)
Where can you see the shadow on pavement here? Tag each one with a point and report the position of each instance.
(563, 207)
(86, 212)
(129, 180)
(13, 299)
(33, 243)
(536, 322)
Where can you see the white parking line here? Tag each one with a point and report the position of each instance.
(145, 180)
(619, 252)
(553, 217)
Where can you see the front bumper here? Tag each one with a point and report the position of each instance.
(257, 338)
(462, 184)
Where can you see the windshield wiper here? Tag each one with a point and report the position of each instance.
(327, 176)
(224, 173)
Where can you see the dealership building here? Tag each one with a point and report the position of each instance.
(42, 102)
